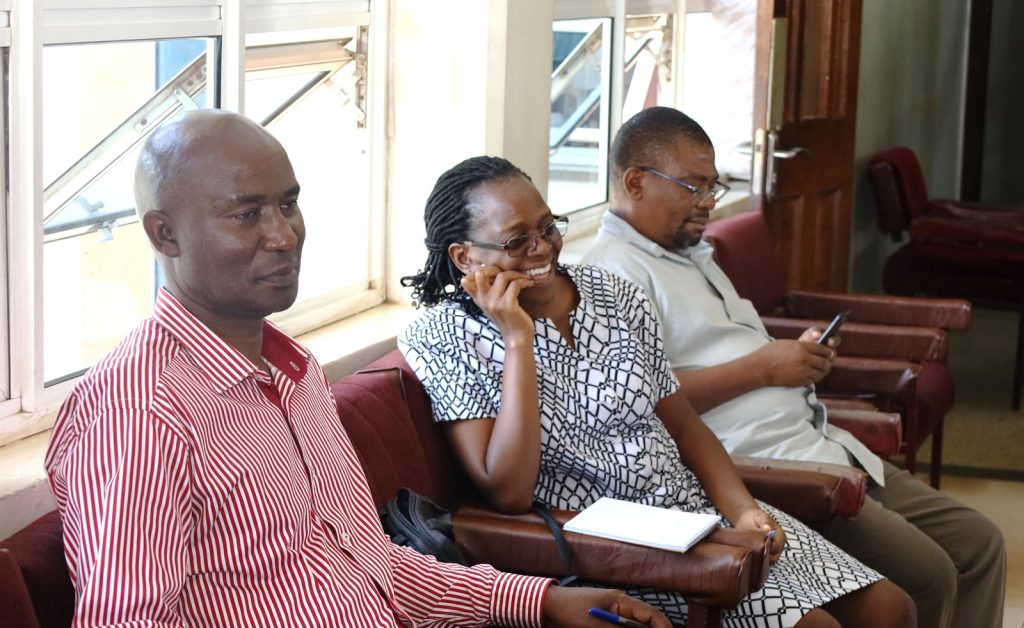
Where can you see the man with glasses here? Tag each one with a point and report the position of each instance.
(757, 393)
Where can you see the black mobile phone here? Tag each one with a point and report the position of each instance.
(833, 327)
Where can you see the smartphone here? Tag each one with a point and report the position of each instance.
(833, 327)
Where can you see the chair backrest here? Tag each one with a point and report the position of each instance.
(899, 189)
(388, 417)
(745, 250)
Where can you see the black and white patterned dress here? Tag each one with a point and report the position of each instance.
(600, 435)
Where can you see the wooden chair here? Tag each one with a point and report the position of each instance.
(955, 249)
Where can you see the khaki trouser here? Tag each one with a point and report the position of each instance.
(949, 558)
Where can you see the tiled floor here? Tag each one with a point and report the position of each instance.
(1003, 502)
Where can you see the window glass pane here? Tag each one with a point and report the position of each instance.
(5, 280)
(647, 64)
(578, 137)
(720, 95)
(100, 102)
(316, 109)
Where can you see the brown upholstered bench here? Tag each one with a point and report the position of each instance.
(388, 417)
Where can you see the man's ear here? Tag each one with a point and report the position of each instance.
(159, 227)
(633, 183)
(459, 254)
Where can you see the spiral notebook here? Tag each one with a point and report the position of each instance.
(640, 524)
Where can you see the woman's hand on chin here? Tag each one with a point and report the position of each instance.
(496, 292)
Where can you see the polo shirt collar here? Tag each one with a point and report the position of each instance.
(224, 365)
(698, 254)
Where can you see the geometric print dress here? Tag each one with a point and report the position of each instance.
(600, 435)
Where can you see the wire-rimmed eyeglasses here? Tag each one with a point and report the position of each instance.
(520, 245)
(700, 195)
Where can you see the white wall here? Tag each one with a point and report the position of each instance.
(468, 77)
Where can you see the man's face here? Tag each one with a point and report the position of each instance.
(668, 212)
(238, 227)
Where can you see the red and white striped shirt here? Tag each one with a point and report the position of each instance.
(196, 489)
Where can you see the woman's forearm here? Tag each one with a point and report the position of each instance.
(512, 460)
(702, 452)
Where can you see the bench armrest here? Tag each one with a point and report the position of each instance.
(868, 376)
(720, 570)
(984, 227)
(810, 491)
(881, 432)
(918, 344)
(887, 310)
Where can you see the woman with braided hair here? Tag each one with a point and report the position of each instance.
(552, 385)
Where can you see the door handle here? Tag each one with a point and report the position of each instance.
(789, 153)
(765, 154)
(747, 148)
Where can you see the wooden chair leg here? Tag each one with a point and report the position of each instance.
(910, 439)
(936, 470)
(1018, 367)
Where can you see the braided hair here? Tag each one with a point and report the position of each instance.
(447, 216)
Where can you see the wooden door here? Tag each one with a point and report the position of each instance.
(805, 110)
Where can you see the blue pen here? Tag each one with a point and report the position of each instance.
(600, 613)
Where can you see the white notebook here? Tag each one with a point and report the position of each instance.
(629, 522)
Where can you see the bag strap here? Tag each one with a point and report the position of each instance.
(564, 551)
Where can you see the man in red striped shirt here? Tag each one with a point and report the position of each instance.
(202, 475)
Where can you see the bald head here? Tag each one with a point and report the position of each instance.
(165, 171)
(219, 203)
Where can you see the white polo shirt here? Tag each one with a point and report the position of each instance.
(706, 323)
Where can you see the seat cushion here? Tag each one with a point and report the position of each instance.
(983, 276)
(388, 418)
(38, 550)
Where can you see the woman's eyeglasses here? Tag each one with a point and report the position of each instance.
(521, 245)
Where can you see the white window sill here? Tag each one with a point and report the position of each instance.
(342, 347)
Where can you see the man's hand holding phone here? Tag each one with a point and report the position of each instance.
(833, 327)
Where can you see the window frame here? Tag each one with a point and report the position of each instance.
(27, 406)
(587, 220)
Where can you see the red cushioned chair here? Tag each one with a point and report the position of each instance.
(35, 587)
(893, 348)
(956, 249)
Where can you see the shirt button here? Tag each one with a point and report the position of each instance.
(346, 538)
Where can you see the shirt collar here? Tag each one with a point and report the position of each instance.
(699, 254)
(224, 365)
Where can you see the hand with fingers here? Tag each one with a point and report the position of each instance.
(496, 292)
(570, 606)
(795, 362)
(759, 521)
